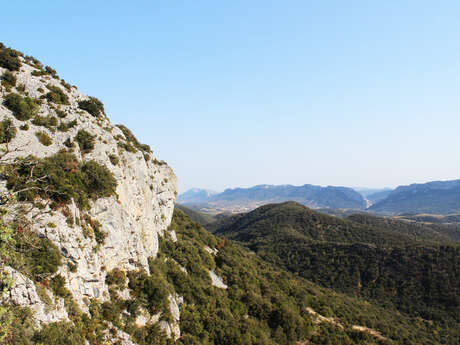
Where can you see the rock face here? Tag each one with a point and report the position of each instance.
(23, 293)
(133, 219)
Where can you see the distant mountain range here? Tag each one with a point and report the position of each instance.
(195, 195)
(246, 199)
(438, 197)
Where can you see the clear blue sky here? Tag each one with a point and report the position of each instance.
(238, 93)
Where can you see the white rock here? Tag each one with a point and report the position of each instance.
(23, 293)
(217, 281)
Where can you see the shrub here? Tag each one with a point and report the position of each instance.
(50, 70)
(38, 73)
(85, 140)
(7, 131)
(49, 121)
(60, 333)
(99, 181)
(132, 140)
(67, 86)
(93, 106)
(69, 143)
(23, 108)
(60, 178)
(21, 87)
(71, 124)
(56, 95)
(24, 127)
(61, 113)
(62, 127)
(8, 79)
(114, 159)
(44, 138)
(41, 257)
(116, 277)
(9, 59)
(58, 286)
(33, 62)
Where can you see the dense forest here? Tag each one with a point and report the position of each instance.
(390, 265)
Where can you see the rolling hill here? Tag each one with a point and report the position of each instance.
(379, 263)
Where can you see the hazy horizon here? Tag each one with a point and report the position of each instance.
(240, 94)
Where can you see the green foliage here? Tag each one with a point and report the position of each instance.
(51, 71)
(9, 59)
(7, 131)
(61, 113)
(379, 263)
(49, 121)
(44, 138)
(93, 106)
(151, 290)
(23, 108)
(60, 333)
(264, 305)
(38, 257)
(60, 178)
(8, 79)
(114, 159)
(131, 143)
(116, 277)
(56, 95)
(85, 141)
(58, 286)
(24, 127)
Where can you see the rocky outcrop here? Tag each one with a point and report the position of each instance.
(23, 293)
(132, 219)
(217, 281)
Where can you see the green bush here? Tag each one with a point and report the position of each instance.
(9, 59)
(40, 257)
(49, 121)
(93, 106)
(56, 95)
(44, 138)
(116, 277)
(61, 113)
(58, 286)
(8, 79)
(7, 131)
(114, 159)
(131, 141)
(23, 108)
(85, 140)
(60, 333)
(99, 181)
(24, 127)
(51, 71)
(60, 178)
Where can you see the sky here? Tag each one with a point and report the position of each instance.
(239, 93)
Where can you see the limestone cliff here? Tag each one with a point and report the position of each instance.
(131, 219)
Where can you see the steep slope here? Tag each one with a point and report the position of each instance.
(377, 263)
(243, 199)
(80, 196)
(438, 197)
(263, 305)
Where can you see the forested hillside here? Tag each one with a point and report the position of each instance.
(376, 263)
